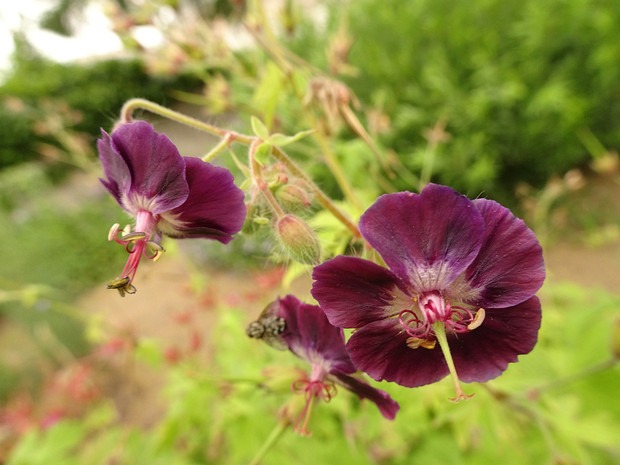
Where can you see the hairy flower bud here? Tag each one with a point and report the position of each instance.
(298, 239)
(292, 197)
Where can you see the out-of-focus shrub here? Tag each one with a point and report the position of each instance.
(91, 94)
(515, 81)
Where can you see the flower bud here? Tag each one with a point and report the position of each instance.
(299, 239)
(292, 197)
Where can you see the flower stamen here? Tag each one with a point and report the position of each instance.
(137, 244)
(153, 251)
(311, 390)
(113, 231)
(415, 327)
(436, 309)
(133, 236)
(478, 319)
(415, 342)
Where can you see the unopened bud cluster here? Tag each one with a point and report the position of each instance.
(279, 198)
(294, 196)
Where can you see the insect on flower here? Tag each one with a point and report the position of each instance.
(312, 338)
(269, 327)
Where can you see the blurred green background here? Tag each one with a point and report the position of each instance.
(517, 100)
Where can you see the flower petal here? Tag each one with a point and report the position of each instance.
(427, 239)
(484, 353)
(509, 268)
(310, 336)
(114, 167)
(214, 207)
(353, 292)
(380, 349)
(382, 399)
(156, 168)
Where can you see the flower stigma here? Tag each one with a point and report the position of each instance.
(429, 323)
(432, 308)
(137, 244)
(311, 389)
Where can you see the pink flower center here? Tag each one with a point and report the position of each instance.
(433, 308)
(137, 244)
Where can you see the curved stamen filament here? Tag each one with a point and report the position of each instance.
(452, 318)
(414, 326)
(113, 232)
(311, 390)
(137, 244)
(153, 251)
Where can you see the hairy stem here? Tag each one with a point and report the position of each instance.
(320, 196)
(273, 438)
(138, 103)
(220, 147)
(257, 178)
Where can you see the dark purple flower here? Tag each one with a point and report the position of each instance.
(462, 273)
(309, 335)
(181, 197)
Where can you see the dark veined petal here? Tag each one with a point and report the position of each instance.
(509, 268)
(386, 405)
(157, 170)
(426, 239)
(115, 168)
(505, 333)
(380, 349)
(353, 292)
(214, 208)
(310, 336)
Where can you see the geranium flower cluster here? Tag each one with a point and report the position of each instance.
(456, 295)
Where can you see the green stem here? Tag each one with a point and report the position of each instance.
(440, 333)
(515, 405)
(215, 151)
(256, 173)
(337, 171)
(427, 167)
(320, 196)
(589, 371)
(269, 42)
(138, 103)
(273, 438)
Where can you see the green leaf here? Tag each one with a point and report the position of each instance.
(268, 91)
(262, 152)
(281, 140)
(259, 128)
